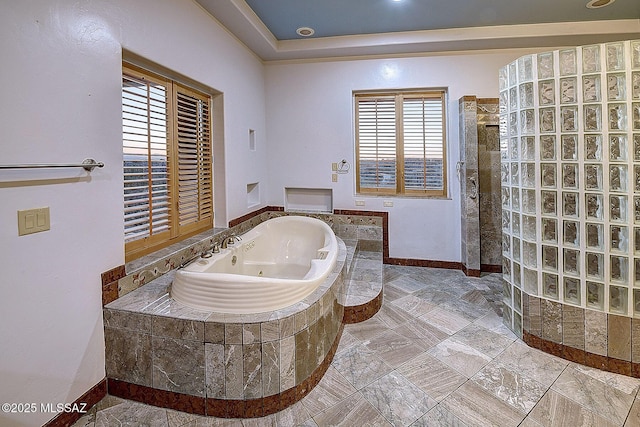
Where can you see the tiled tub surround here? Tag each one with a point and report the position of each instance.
(570, 140)
(164, 353)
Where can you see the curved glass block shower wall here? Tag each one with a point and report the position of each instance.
(570, 148)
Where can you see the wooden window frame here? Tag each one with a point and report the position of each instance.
(400, 187)
(178, 231)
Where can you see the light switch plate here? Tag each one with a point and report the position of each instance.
(33, 221)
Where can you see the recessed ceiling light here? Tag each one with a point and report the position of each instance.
(597, 4)
(305, 31)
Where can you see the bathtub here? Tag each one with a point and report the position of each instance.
(274, 265)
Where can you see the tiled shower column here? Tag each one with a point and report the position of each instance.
(570, 147)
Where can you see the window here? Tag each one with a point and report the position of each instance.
(166, 141)
(400, 143)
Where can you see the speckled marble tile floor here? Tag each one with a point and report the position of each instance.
(437, 354)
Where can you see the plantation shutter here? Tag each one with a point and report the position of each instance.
(194, 159)
(145, 157)
(423, 143)
(376, 144)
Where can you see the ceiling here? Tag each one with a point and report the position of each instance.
(383, 27)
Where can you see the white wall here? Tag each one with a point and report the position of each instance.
(61, 103)
(310, 125)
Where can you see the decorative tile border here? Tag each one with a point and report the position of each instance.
(600, 340)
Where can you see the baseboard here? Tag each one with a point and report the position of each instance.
(84, 403)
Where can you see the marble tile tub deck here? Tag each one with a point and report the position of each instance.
(436, 354)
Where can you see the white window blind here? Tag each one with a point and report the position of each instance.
(167, 155)
(400, 143)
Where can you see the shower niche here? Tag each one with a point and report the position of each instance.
(570, 175)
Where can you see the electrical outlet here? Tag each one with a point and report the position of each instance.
(359, 202)
(387, 203)
(334, 177)
(334, 167)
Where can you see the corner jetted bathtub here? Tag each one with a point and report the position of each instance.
(276, 264)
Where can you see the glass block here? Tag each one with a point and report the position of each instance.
(571, 233)
(549, 230)
(635, 54)
(517, 272)
(526, 95)
(548, 147)
(635, 85)
(515, 198)
(515, 174)
(636, 178)
(550, 257)
(517, 299)
(504, 173)
(513, 76)
(568, 63)
(568, 90)
(506, 244)
(506, 268)
(617, 116)
(616, 87)
(636, 209)
(595, 265)
(545, 65)
(618, 177)
(619, 267)
(636, 271)
(595, 234)
(513, 99)
(636, 241)
(550, 286)
(618, 208)
(591, 88)
(635, 116)
(513, 123)
(506, 197)
(636, 301)
(546, 92)
(570, 204)
(525, 68)
(505, 221)
(619, 238)
(548, 202)
(569, 145)
(506, 293)
(527, 122)
(529, 201)
(503, 78)
(507, 317)
(569, 119)
(514, 149)
(593, 147)
(529, 254)
(591, 59)
(617, 147)
(530, 279)
(570, 175)
(516, 249)
(593, 203)
(548, 173)
(528, 174)
(593, 177)
(595, 295)
(615, 56)
(618, 299)
(571, 261)
(528, 148)
(547, 120)
(529, 227)
(515, 224)
(572, 290)
(592, 118)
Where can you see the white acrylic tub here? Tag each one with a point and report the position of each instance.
(276, 264)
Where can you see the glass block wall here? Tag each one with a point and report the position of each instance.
(570, 148)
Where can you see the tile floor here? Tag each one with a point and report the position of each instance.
(436, 354)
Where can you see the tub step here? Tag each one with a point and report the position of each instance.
(363, 296)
